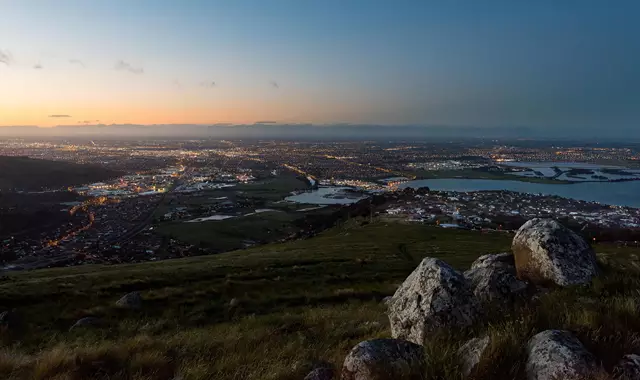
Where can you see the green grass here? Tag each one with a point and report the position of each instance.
(299, 302)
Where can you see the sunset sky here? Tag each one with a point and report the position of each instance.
(489, 63)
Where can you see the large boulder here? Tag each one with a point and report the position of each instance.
(548, 253)
(493, 278)
(628, 368)
(384, 359)
(131, 300)
(471, 353)
(433, 297)
(557, 354)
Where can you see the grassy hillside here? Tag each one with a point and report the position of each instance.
(31, 174)
(297, 303)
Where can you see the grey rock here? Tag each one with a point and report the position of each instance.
(557, 354)
(234, 303)
(493, 278)
(546, 252)
(471, 353)
(433, 297)
(131, 300)
(628, 368)
(86, 322)
(321, 373)
(387, 300)
(384, 359)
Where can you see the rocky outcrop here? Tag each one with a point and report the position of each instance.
(547, 253)
(434, 296)
(384, 359)
(471, 353)
(493, 278)
(628, 368)
(131, 300)
(557, 354)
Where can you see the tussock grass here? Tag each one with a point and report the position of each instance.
(300, 303)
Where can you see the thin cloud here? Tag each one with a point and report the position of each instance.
(211, 84)
(77, 62)
(266, 122)
(59, 115)
(5, 57)
(176, 83)
(124, 66)
(37, 66)
(274, 84)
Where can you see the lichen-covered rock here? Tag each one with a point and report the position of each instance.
(384, 359)
(546, 252)
(493, 278)
(131, 300)
(557, 354)
(628, 368)
(471, 353)
(434, 296)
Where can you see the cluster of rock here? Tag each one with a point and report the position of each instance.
(436, 296)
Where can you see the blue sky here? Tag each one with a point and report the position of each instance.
(490, 63)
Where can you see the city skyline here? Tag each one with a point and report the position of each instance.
(496, 64)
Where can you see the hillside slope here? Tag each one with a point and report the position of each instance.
(273, 311)
(29, 174)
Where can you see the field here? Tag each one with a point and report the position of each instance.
(273, 311)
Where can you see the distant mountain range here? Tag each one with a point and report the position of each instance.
(322, 132)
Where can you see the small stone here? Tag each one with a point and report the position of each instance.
(86, 322)
(234, 303)
(384, 359)
(471, 353)
(11, 323)
(131, 300)
(322, 373)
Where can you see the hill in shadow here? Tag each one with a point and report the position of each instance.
(23, 173)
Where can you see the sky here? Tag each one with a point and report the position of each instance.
(543, 63)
